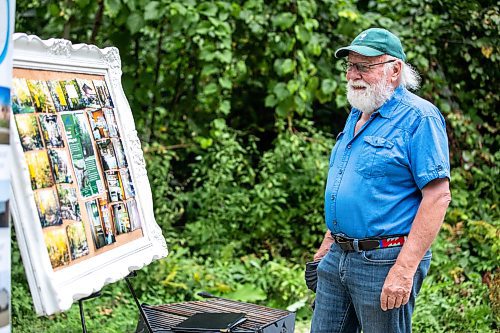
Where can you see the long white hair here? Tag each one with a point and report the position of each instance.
(410, 78)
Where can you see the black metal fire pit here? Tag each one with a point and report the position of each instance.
(260, 319)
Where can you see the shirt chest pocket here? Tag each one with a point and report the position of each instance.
(374, 157)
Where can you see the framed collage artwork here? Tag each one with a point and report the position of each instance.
(82, 204)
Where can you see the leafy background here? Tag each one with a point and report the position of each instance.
(238, 103)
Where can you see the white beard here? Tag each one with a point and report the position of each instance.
(371, 98)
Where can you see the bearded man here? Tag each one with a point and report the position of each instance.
(386, 194)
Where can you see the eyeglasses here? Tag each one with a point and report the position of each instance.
(362, 67)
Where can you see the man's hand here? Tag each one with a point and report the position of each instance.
(325, 246)
(397, 288)
(399, 282)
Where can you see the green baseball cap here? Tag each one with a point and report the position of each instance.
(374, 42)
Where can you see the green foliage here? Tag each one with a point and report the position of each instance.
(235, 205)
(453, 308)
(237, 103)
(248, 278)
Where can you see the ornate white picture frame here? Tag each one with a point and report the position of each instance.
(82, 204)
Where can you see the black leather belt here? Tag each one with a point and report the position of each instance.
(367, 244)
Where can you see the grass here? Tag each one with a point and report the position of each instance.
(302, 326)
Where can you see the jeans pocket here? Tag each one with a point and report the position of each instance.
(374, 155)
(386, 256)
(427, 255)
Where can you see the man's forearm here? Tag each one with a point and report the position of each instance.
(430, 215)
(425, 228)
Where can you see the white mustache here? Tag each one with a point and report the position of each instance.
(358, 84)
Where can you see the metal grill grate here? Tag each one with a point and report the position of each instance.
(259, 318)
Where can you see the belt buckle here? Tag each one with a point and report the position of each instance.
(344, 244)
(340, 239)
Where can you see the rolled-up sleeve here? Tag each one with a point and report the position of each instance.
(429, 152)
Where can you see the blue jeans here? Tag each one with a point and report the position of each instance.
(349, 288)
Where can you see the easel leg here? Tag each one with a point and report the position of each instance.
(139, 306)
(82, 314)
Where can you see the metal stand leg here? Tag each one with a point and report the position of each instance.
(82, 314)
(139, 306)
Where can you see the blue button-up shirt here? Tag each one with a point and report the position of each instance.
(376, 176)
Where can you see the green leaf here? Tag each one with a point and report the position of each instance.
(215, 22)
(54, 9)
(292, 86)
(203, 28)
(302, 33)
(341, 100)
(241, 67)
(248, 293)
(422, 62)
(210, 89)
(284, 20)
(208, 70)
(204, 142)
(270, 101)
(303, 94)
(177, 8)
(306, 8)
(312, 84)
(284, 66)
(322, 98)
(225, 83)
(245, 15)
(112, 7)
(225, 56)
(281, 91)
(82, 3)
(311, 24)
(135, 22)
(219, 124)
(151, 11)
(314, 47)
(287, 66)
(284, 107)
(349, 14)
(225, 107)
(328, 86)
(207, 55)
(223, 16)
(297, 305)
(445, 107)
(207, 9)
